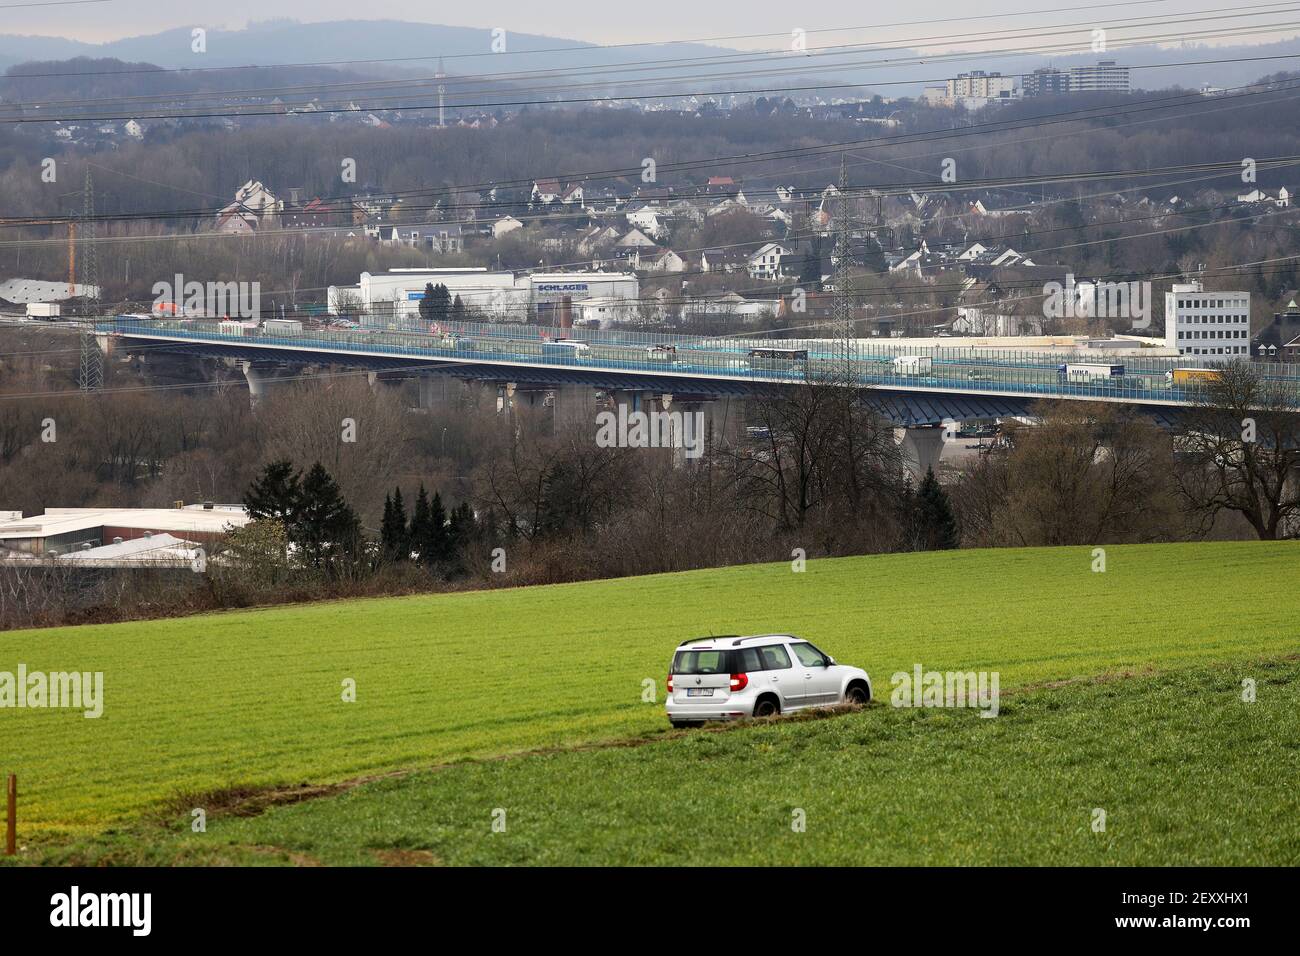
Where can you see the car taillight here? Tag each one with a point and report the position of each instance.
(670, 683)
(739, 681)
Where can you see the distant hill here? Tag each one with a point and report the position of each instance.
(414, 48)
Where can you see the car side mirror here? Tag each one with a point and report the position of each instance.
(829, 662)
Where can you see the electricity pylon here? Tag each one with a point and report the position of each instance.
(91, 377)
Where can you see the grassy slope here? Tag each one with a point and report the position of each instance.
(1186, 771)
(253, 698)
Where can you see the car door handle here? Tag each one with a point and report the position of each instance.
(807, 676)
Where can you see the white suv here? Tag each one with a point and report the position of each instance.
(722, 678)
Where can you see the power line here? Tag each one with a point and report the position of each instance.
(497, 104)
(582, 48)
(719, 59)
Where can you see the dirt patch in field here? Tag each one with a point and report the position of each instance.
(253, 801)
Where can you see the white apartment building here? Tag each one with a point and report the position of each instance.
(1106, 77)
(1209, 326)
(980, 85)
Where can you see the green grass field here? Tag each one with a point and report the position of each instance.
(253, 699)
(1186, 772)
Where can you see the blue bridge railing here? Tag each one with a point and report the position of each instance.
(956, 368)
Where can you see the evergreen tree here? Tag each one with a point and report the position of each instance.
(429, 528)
(399, 524)
(419, 533)
(458, 310)
(394, 538)
(326, 531)
(936, 523)
(435, 306)
(387, 540)
(461, 530)
(438, 541)
(276, 494)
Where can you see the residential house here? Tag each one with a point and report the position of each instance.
(662, 260)
(650, 219)
(504, 226)
(236, 221)
(767, 261)
(634, 240)
(726, 260)
(597, 237)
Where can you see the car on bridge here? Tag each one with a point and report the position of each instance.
(730, 677)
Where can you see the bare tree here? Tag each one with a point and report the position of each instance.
(1086, 473)
(824, 458)
(1239, 451)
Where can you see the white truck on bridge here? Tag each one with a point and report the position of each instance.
(913, 365)
(1091, 374)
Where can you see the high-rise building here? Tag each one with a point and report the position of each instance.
(980, 85)
(1045, 81)
(1105, 77)
(1210, 326)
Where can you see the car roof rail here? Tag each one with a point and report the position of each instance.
(764, 637)
(711, 637)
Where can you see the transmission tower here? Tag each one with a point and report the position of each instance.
(91, 378)
(842, 305)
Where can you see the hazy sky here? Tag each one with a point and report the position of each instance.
(597, 21)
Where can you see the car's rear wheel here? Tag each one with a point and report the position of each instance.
(766, 707)
(857, 696)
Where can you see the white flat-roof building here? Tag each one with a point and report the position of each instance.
(1106, 77)
(395, 296)
(1209, 326)
(63, 530)
(981, 85)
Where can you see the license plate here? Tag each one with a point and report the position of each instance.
(699, 692)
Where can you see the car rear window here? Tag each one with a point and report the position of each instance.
(774, 657)
(715, 661)
(743, 660)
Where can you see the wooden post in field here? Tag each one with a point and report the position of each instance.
(11, 817)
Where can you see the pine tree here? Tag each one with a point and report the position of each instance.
(936, 522)
(276, 494)
(393, 536)
(419, 534)
(437, 540)
(429, 529)
(435, 306)
(326, 532)
(399, 525)
(387, 540)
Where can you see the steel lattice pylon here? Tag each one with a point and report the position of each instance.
(842, 305)
(91, 377)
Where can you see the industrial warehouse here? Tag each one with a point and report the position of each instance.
(394, 297)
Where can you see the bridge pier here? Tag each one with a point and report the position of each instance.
(922, 446)
(261, 374)
(573, 404)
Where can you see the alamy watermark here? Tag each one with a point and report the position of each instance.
(77, 690)
(1098, 300)
(231, 299)
(922, 688)
(664, 429)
